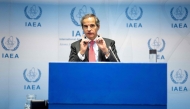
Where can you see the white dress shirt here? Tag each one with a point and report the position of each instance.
(95, 47)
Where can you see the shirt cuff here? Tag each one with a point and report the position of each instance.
(81, 56)
(108, 56)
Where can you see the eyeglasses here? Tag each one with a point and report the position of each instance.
(91, 26)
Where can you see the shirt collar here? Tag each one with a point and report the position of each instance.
(93, 40)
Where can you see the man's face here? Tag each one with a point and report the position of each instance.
(89, 27)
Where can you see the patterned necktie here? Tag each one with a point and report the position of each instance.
(91, 53)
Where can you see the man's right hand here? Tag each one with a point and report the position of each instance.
(83, 44)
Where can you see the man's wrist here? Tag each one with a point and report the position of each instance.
(107, 52)
(81, 56)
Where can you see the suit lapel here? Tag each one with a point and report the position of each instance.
(87, 54)
(99, 55)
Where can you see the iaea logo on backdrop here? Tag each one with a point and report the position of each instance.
(157, 44)
(32, 75)
(179, 77)
(33, 12)
(134, 13)
(10, 44)
(77, 14)
(179, 14)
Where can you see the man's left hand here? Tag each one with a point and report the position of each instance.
(102, 45)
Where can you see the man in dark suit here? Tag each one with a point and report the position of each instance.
(92, 47)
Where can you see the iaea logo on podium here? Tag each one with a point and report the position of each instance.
(77, 14)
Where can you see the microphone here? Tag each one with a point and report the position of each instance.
(113, 54)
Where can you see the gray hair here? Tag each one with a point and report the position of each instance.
(97, 21)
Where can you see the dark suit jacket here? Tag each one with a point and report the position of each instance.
(75, 48)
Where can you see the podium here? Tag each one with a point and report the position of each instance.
(107, 85)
